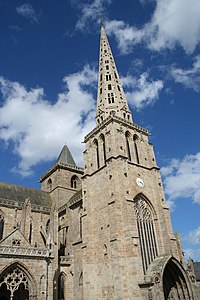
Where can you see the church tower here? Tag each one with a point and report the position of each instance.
(63, 179)
(129, 249)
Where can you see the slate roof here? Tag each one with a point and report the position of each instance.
(74, 200)
(14, 195)
(65, 157)
(197, 270)
(64, 161)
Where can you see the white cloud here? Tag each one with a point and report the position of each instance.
(190, 78)
(26, 10)
(142, 92)
(182, 178)
(125, 35)
(192, 253)
(174, 22)
(37, 128)
(92, 12)
(194, 236)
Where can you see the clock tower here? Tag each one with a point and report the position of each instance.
(129, 249)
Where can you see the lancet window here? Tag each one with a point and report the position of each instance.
(111, 98)
(63, 236)
(30, 232)
(48, 227)
(49, 184)
(135, 139)
(74, 182)
(146, 231)
(97, 152)
(108, 77)
(1, 224)
(102, 139)
(127, 135)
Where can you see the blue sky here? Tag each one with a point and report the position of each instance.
(48, 80)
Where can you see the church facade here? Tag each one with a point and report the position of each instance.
(99, 232)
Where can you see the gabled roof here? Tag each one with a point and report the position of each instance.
(13, 195)
(16, 234)
(65, 157)
(65, 161)
(75, 198)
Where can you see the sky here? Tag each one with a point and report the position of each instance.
(48, 85)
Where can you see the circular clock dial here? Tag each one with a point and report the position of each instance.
(140, 182)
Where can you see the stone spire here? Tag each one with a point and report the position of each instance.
(65, 157)
(111, 99)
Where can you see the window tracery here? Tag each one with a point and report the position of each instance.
(146, 231)
(15, 280)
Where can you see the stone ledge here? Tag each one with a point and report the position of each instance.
(65, 260)
(19, 251)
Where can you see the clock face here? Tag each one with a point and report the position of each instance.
(140, 182)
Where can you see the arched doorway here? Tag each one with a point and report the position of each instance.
(16, 284)
(175, 285)
(65, 286)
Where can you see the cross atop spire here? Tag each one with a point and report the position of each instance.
(111, 98)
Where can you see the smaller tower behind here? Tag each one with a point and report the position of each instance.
(63, 179)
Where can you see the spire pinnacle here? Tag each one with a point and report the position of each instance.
(111, 99)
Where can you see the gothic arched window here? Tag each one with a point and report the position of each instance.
(97, 152)
(48, 227)
(174, 282)
(135, 139)
(16, 283)
(49, 184)
(146, 231)
(102, 139)
(30, 231)
(74, 182)
(63, 236)
(127, 135)
(1, 225)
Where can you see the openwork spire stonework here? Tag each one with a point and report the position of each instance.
(111, 99)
